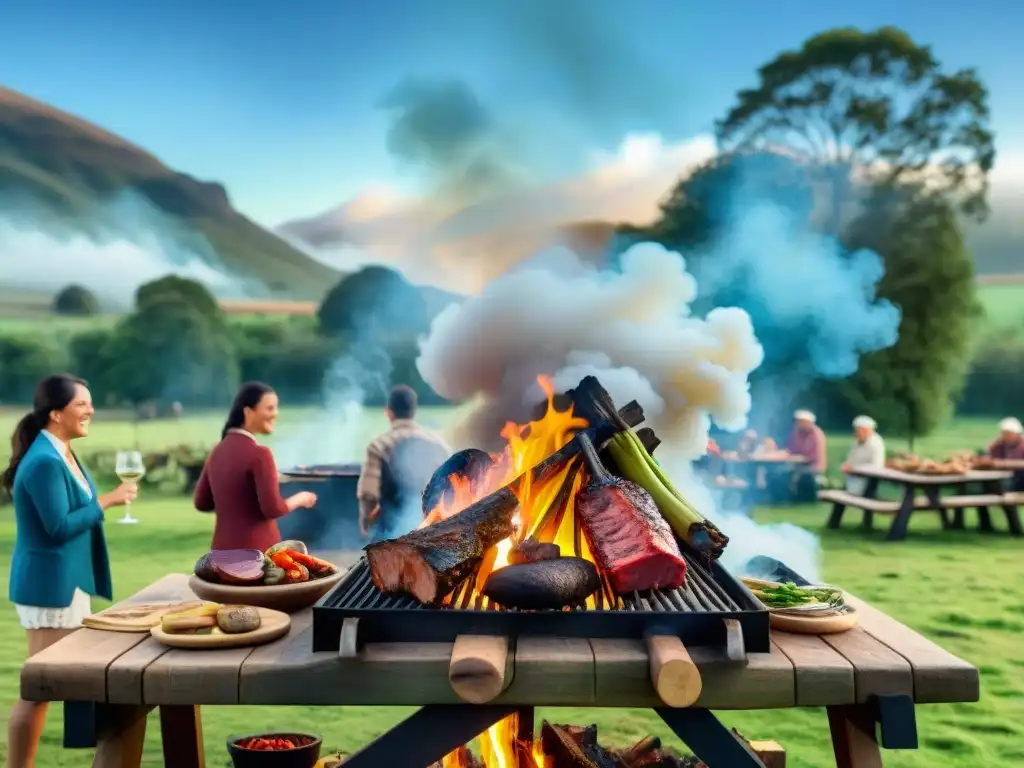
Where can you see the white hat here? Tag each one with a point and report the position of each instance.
(805, 416)
(1011, 425)
(865, 421)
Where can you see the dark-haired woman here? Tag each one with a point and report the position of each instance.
(60, 553)
(239, 480)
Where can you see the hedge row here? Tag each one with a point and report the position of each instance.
(288, 353)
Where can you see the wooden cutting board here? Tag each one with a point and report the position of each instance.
(140, 617)
(274, 625)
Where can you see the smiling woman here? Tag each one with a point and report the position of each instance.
(240, 480)
(59, 517)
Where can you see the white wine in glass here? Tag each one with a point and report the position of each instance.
(130, 469)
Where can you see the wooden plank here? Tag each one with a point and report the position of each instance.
(877, 669)
(288, 672)
(183, 676)
(938, 676)
(622, 678)
(823, 676)
(966, 502)
(181, 731)
(554, 670)
(859, 502)
(913, 478)
(75, 669)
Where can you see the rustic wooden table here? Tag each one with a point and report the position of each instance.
(871, 675)
(992, 495)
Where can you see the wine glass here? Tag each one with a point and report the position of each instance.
(130, 469)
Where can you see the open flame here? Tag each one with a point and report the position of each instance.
(500, 748)
(527, 446)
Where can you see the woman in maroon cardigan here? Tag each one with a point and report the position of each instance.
(239, 480)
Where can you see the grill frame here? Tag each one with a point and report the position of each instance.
(709, 597)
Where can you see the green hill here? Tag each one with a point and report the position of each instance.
(65, 169)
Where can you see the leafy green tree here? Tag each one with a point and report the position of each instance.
(876, 103)
(24, 360)
(76, 300)
(189, 292)
(374, 304)
(910, 387)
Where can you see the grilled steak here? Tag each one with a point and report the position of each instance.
(430, 562)
(631, 541)
(543, 584)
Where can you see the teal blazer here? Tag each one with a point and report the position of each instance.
(60, 543)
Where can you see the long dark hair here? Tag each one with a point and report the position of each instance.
(54, 393)
(249, 396)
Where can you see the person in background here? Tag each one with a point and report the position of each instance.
(60, 552)
(397, 468)
(807, 439)
(239, 480)
(868, 450)
(1010, 446)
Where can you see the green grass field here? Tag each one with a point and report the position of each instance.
(1003, 305)
(958, 589)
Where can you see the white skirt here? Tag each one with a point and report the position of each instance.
(70, 617)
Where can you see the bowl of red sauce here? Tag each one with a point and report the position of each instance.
(275, 750)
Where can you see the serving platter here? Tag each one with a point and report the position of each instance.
(288, 598)
(273, 624)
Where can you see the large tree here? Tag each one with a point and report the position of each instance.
(876, 104)
(374, 305)
(909, 387)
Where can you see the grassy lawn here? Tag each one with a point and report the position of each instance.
(951, 587)
(1003, 305)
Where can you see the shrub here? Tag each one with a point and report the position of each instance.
(24, 360)
(76, 301)
(994, 384)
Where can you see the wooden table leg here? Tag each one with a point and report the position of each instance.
(181, 729)
(121, 735)
(853, 736)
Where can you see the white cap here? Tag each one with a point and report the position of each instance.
(1011, 425)
(865, 421)
(805, 416)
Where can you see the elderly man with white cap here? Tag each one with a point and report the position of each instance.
(1010, 446)
(808, 440)
(868, 450)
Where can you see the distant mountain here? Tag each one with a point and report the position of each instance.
(65, 169)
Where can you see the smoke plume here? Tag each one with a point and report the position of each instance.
(632, 329)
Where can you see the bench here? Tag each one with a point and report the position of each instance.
(840, 500)
(847, 499)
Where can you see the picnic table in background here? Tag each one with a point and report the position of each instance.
(921, 492)
(869, 680)
(742, 472)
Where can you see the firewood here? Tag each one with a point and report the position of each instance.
(631, 757)
(574, 747)
(650, 440)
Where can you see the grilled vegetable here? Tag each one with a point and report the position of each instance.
(636, 464)
(316, 566)
(545, 584)
(291, 544)
(231, 566)
(203, 616)
(789, 595)
(627, 534)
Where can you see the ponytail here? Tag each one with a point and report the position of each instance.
(236, 419)
(25, 433)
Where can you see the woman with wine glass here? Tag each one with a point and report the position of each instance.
(60, 553)
(239, 480)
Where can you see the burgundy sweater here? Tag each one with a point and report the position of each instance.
(240, 482)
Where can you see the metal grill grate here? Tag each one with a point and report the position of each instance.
(694, 612)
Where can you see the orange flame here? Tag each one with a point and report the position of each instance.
(526, 447)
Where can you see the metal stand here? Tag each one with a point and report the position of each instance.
(711, 741)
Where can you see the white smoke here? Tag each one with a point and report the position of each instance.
(632, 329)
(128, 242)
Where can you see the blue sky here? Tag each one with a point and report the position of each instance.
(279, 101)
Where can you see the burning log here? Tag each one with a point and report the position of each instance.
(463, 757)
(574, 747)
(429, 562)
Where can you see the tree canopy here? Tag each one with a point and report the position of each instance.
(76, 300)
(374, 304)
(872, 103)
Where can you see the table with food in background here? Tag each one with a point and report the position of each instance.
(743, 473)
(971, 483)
